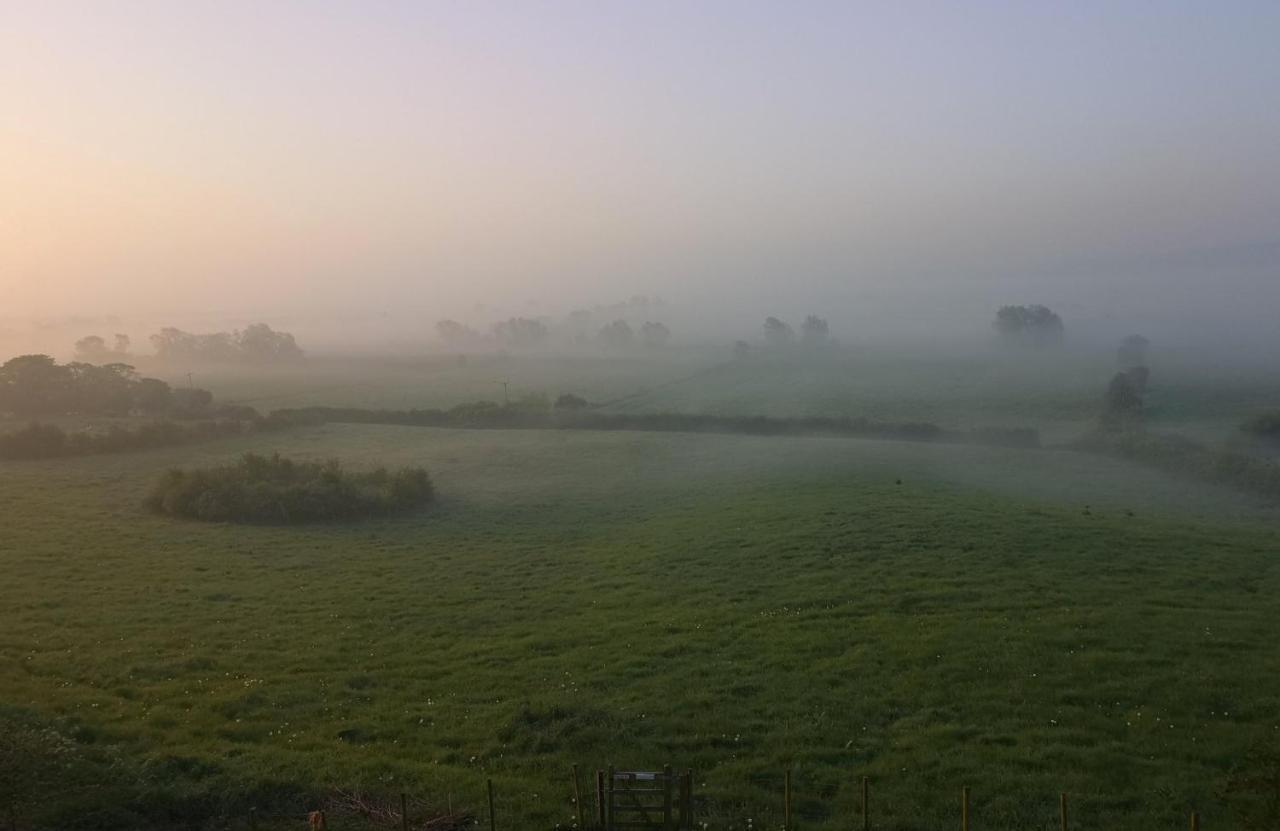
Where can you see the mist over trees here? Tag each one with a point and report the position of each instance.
(37, 385)
(1133, 351)
(654, 334)
(1125, 398)
(455, 335)
(815, 333)
(780, 338)
(612, 329)
(258, 343)
(617, 336)
(521, 333)
(778, 334)
(94, 349)
(1029, 326)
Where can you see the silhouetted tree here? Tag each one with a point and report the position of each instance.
(262, 344)
(617, 335)
(103, 390)
(258, 343)
(191, 403)
(172, 344)
(777, 333)
(153, 396)
(1034, 325)
(569, 401)
(1133, 351)
(814, 332)
(521, 332)
(456, 335)
(655, 334)
(36, 385)
(741, 349)
(1124, 398)
(91, 348)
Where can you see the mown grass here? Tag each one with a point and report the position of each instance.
(927, 616)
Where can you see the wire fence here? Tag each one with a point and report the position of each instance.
(665, 800)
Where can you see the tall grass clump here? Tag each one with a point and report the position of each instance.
(275, 490)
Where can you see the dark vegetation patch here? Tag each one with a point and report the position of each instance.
(49, 441)
(1180, 455)
(275, 490)
(1264, 426)
(517, 416)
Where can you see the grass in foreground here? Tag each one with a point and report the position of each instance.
(735, 605)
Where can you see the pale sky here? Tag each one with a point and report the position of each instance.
(237, 157)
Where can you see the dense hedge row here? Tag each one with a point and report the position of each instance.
(1181, 455)
(48, 441)
(271, 489)
(488, 415)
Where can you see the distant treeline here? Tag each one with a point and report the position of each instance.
(37, 385)
(49, 441)
(1181, 455)
(490, 415)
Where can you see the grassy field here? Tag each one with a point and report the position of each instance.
(1024, 622)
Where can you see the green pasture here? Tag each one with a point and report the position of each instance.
(1023, 622)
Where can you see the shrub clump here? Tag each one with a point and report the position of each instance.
(274, 490)
(1264, 425)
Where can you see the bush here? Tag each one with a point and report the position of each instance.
(275, 490)
(1264, 425)
(35, 441)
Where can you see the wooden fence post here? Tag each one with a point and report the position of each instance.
(404, 812)
(577, 795)
(1062, 809)
(866, 806)
(686, 801)
(608, 800)
(253, 819)
(786, 801)
(667, 801)
(1195, 821)
(964, 808)
(600, 798)
(493, 822)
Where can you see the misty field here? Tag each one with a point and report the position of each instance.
(1056, 392)
(1024, 622)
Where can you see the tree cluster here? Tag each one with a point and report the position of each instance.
(258, 343)
(1029, 325)
(94, 350)
(37, 385)
(1133, 352)
(522, 333)
(275, 490)
(1125, 397)
(815, 334)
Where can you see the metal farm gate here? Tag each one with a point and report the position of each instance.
(635, 799)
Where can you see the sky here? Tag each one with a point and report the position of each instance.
(296, 160)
